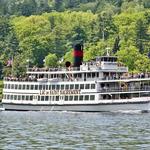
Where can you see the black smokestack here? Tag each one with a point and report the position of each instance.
(78, 54)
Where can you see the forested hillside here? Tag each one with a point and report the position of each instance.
(30, 30)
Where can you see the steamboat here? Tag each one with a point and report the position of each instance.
(101, 84)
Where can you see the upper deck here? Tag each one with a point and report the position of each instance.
(100, 64)
(101, 68)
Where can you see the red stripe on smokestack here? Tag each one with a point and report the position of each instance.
(77, 53)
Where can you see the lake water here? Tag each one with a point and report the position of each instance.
(66, 130)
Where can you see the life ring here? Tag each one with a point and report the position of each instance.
(98, 64)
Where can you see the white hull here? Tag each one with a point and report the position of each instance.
(143, 106)
(99, 85)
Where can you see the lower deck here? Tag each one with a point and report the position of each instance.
(142, 104)
(84, 97)
(76, 93)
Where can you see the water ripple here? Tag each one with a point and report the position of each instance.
(64, 130)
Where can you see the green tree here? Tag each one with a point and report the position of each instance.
(141, 34)
(8, 42)
(78, 34)
(28, 7)
(129, 56)
(5, 27)
(1, 70)
(69, 57)
(106, 26)
(59, 5)
(50, 60)
(142, 64)
(19, 65)
(97, 49)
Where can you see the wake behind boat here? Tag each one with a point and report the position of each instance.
(101, 84)
(1, 108)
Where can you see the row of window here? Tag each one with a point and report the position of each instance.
(49, 87)
(18, 97)
(79, 75)
(67, 98)
(50, 98)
